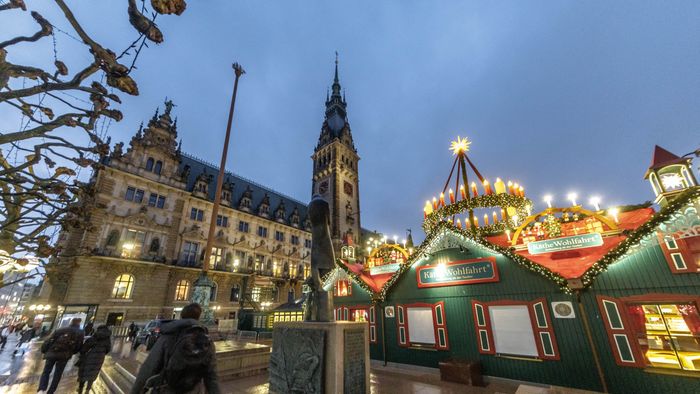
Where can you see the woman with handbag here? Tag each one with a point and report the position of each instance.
(92, 356)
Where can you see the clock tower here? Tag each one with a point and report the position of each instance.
(335, 174)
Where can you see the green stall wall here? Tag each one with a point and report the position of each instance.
(360, 297)
(576, 367)
(645, 272)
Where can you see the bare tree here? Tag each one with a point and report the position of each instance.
(59, 113)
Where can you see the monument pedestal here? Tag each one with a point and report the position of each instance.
(320, 357)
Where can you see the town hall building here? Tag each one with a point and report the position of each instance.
(143, 250)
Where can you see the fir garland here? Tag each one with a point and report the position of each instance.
(502, 200)
(637, 235)
(587, 278)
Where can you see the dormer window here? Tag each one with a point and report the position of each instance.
(280, 213)
(246, 200)
(264, 207)
(225, 196)
(294, 219)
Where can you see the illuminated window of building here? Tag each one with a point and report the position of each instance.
(255, 294)
(667, 334)
(182, 290)
(133, 243)
(307, 270)
(285, 316)
(292, 271)
(217, 256)
(123, 286)
(342, 288)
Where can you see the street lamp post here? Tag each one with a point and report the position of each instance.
(202, 287)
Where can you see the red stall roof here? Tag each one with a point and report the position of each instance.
(573, 263)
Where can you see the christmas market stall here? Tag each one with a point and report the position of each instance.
(597, 299)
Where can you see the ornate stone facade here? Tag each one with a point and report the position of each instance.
(143, 252)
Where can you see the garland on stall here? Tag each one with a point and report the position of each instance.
(601, 265)
(637, 235)
(502, 200)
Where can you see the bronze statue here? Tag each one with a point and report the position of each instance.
(319, 302)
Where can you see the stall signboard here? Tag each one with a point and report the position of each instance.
(454, 273)
(565, 243)
(384, 269)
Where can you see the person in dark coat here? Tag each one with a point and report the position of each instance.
(160, 353)
(92, 356)
(133, 330)
(58, 349)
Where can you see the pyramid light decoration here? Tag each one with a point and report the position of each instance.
(509, 198)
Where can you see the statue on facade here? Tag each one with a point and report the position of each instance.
(319, 302)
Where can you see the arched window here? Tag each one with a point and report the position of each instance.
(235, 293)
(149, 164)
(113, 238)
(182, 290)
(123, 286)
(158, 167)
(212, 293)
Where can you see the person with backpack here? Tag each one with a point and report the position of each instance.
(182, 359)
(58, 349)
(92, 356)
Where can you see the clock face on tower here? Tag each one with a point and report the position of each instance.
(323, 187)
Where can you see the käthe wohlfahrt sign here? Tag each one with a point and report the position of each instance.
(458, 273)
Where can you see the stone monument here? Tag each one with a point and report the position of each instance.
(319, 355)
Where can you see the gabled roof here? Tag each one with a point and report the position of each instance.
(663, 158)
(636, 225)
(573, 263)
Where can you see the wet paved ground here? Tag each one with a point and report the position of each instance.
(21, 374)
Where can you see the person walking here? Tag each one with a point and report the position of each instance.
(133, 330)
(182, 359)
(92, 356)
(58, 349)
(24, 338)
(4, 334)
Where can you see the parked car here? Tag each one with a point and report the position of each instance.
(149, 333)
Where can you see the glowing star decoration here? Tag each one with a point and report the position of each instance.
(672, 181)
(460, 146)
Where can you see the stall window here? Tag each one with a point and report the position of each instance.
(422, 325)
(372, 325)
(682, 254)
(660, 334)
(342, 288)
(515, 328)
(342, 313)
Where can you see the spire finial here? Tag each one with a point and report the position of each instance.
(336, 67)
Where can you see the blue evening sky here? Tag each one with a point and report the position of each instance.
(558, 95)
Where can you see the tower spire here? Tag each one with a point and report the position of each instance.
(336, 80)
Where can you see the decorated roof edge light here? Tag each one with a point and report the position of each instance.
(509, 198)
